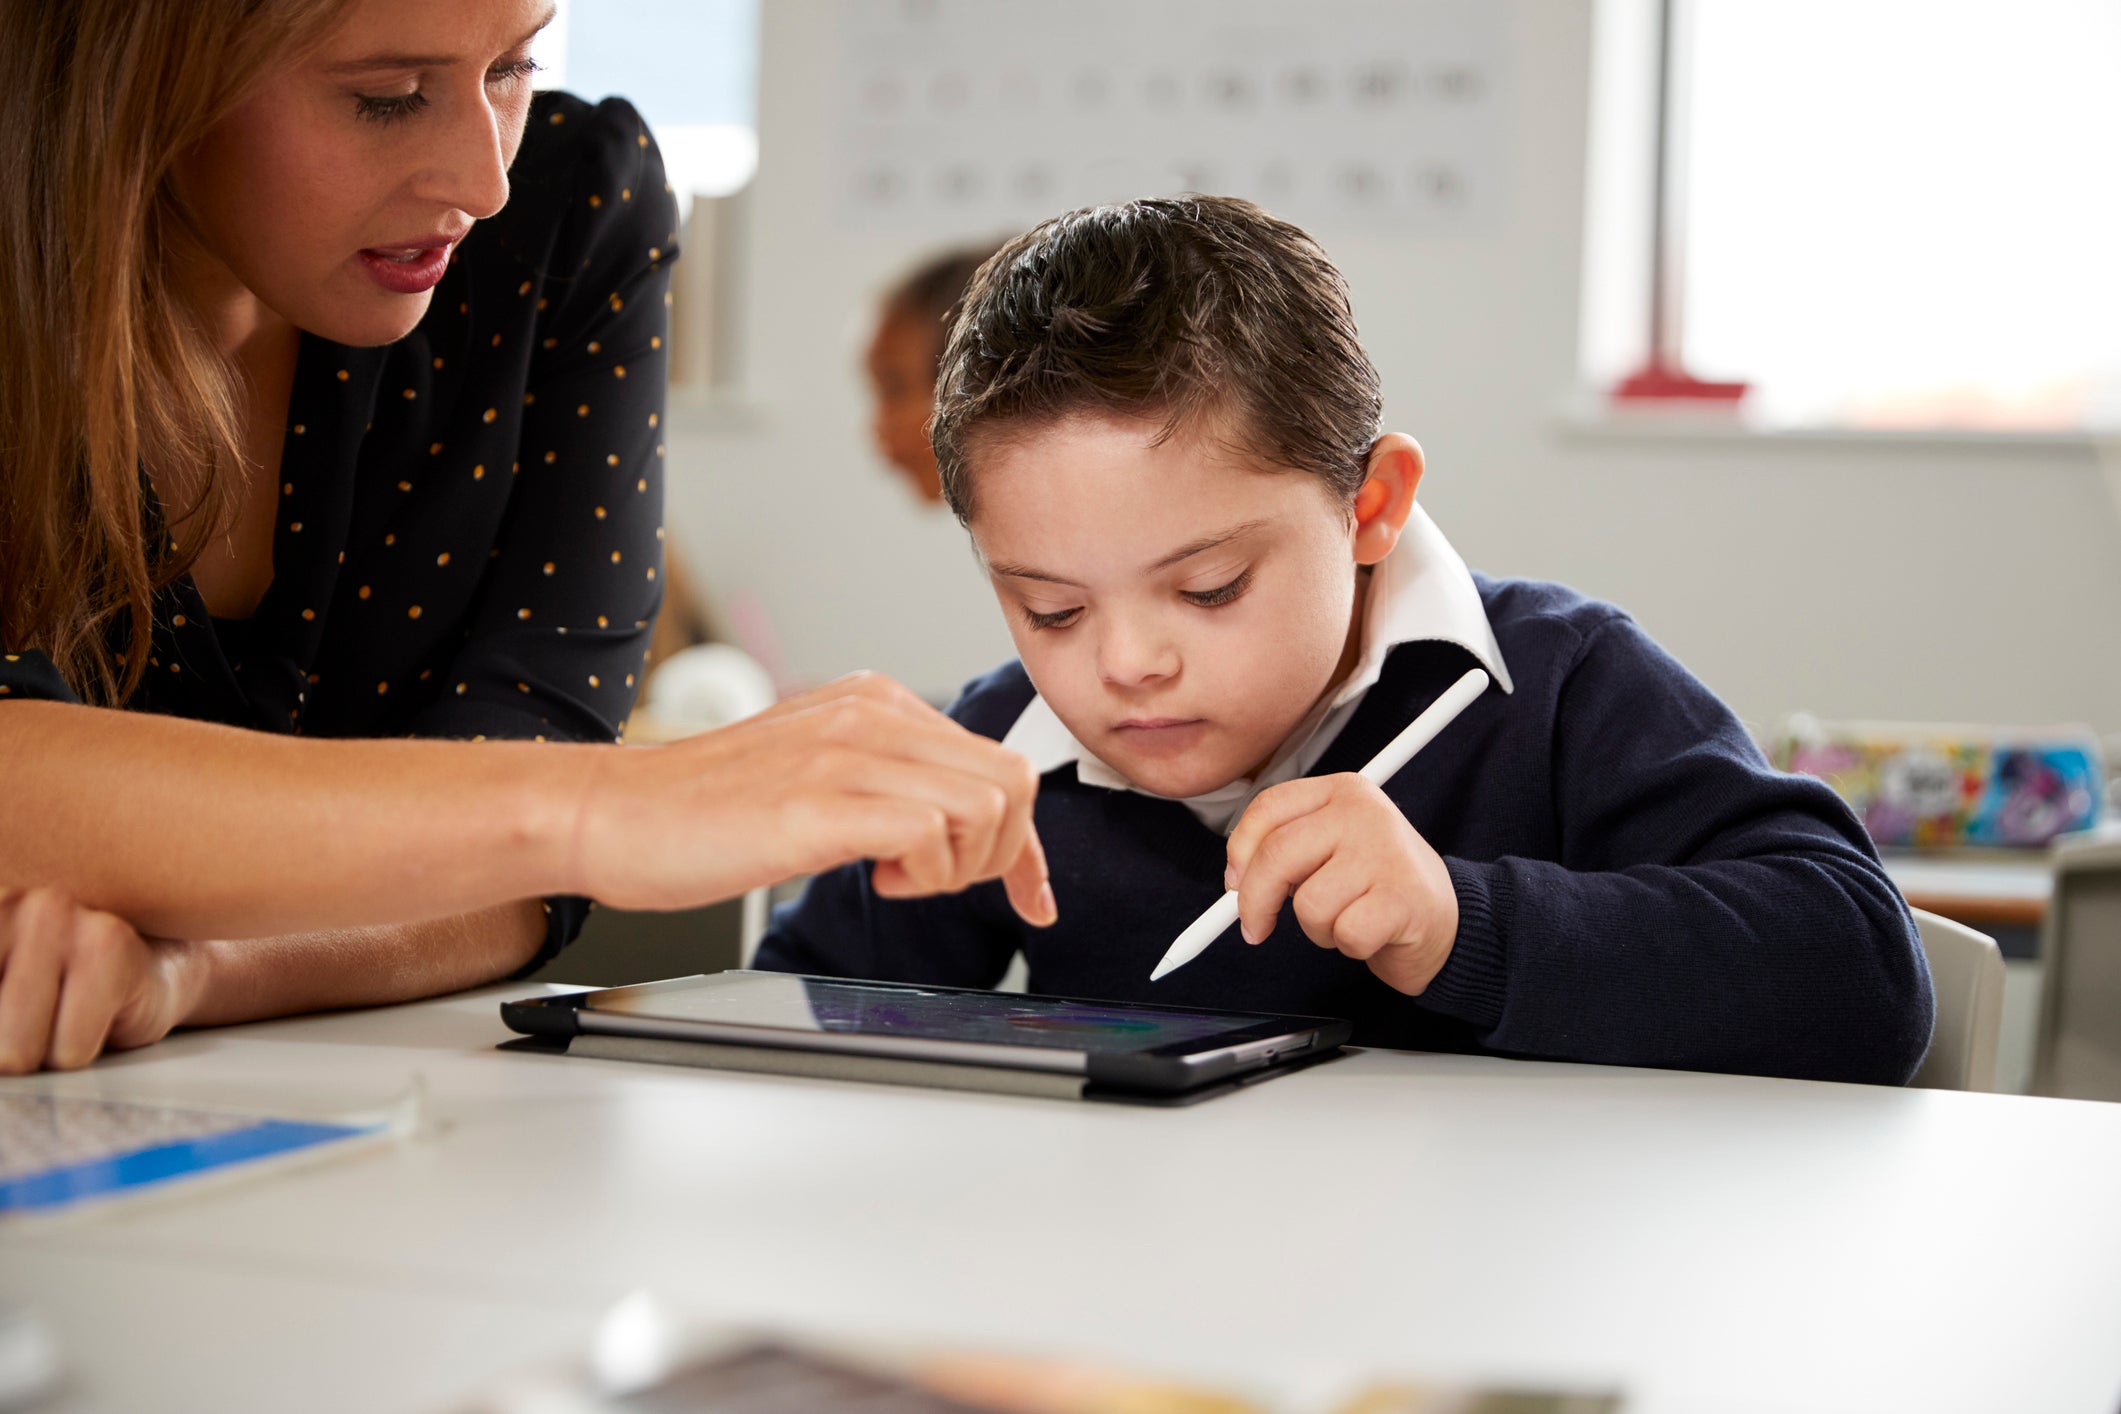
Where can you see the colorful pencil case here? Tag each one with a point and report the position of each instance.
(1923, 786)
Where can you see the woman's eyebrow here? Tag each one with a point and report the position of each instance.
(378, 62)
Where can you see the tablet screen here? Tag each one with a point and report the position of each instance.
(816, 1004)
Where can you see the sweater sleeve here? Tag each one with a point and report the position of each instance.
(839, 927)
(1707, 912)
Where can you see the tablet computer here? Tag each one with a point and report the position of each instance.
(1119, 1046)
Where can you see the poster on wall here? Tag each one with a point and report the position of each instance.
(962, 116)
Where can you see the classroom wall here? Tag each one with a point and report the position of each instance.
(1967, 579)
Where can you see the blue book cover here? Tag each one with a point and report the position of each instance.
(60, 1151)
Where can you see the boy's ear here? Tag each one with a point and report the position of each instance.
(1387, 496)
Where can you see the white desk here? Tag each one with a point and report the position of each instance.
(1712, 1244)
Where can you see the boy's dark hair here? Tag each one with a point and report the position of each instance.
(1196, 310)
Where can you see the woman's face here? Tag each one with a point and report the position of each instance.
(336, 193)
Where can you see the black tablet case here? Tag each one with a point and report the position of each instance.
(941, 1075)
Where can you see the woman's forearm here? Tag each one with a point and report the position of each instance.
(184, 829)
(223, 980)
(189, 830)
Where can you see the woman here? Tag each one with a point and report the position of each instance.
(328, 463)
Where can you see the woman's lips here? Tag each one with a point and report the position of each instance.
(407, 270)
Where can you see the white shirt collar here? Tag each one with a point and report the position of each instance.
(1420, 593)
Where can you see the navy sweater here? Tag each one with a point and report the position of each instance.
(1636, 885)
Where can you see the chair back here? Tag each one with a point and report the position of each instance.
(2077, 1055)
(1966, 971)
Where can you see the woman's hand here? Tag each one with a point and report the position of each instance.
(858, 769)
(75, 981)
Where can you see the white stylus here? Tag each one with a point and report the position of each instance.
(1383, 766)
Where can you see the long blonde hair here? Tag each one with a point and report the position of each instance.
(107, 376)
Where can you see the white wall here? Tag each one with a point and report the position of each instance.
(1956, 580)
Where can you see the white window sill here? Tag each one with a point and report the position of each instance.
(1591, 418)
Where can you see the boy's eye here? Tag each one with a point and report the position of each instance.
(1059, 619)
(1221, 594)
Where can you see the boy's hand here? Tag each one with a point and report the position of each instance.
(1365, 883)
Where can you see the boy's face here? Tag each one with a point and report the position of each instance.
(1180, 610)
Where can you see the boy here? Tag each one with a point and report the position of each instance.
(1159, 427)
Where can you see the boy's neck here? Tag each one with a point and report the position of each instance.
(1351, 646)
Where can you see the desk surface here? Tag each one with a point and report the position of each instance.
(1709, 1243)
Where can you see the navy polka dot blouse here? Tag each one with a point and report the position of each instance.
(470, 519)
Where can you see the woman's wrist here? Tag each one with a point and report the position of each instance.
(533, 800)
(549, 818)
(184, 979)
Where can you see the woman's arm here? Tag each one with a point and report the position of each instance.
(342, 873)
(191, 830)
(188, 829)
(75, 981)
(245, 979)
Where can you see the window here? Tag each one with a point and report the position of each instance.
(1895, 213)
(690, 66)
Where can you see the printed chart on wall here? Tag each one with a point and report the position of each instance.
(974, 116)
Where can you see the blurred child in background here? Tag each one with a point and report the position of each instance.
(912, 322)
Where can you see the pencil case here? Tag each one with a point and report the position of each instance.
(1918, 785)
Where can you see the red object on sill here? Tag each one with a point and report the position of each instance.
(1658, 381)
(1662, 379)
